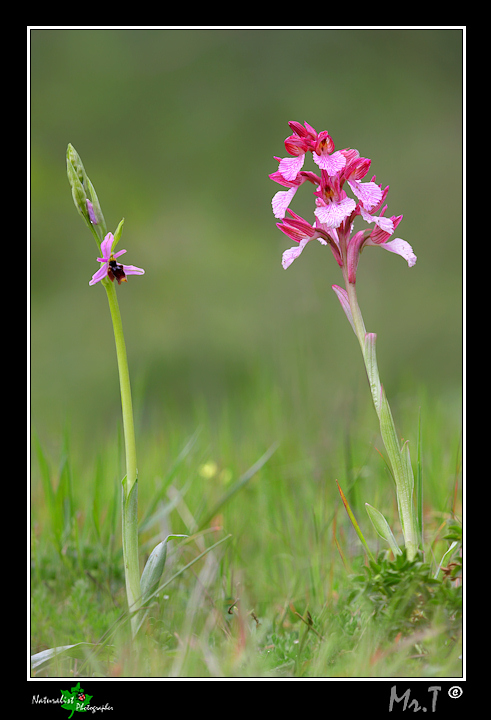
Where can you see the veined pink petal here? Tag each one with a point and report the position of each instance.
(290, 167)
(385, 224)
(290, 255)
(281, 201)
(400, 247)
(368, 193)
(333, 214)
(332, 164)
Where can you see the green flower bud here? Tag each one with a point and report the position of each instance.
(84, 195)
(75, 178)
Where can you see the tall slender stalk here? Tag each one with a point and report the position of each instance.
(87, 203)
(398, 458)
(130, 482)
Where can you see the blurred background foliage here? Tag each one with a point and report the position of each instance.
(177, 130)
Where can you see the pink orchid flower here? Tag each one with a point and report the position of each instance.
(298, 144)
(325, 157)
(110, 268)
(334, 211)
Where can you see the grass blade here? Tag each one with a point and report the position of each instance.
(354, 523)
(238, 485)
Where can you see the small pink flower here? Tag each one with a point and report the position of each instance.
(333, 213)
(110, 268)
(333, 205)
(303, 140)
(325, 157)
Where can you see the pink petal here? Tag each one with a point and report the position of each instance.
(132, 270)
(332, 164)
(402, 248)
(101, 273)
(368, 193)
(281, 201)
(385, 224)
(106, 246)
(290, 167)
(333, 214)
(290, 255)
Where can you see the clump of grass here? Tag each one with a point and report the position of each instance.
(277, 598)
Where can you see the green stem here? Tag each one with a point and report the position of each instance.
(356, 313)
(130, 485)
(398, 458)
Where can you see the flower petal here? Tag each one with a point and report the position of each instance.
(368, 193)
(106, 246)
(332, 164)
(402, 248)
(385, 224)
(282, 200)
(101, 273)
(399, 247)
(332, 215)
(290, 255)
(132, 270)
(290, 167)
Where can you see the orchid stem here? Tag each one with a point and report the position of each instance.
(398, 458)
(130, 484)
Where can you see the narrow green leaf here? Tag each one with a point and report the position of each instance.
(419, 484)
(382, 528)
(117, 234)
(130, 543)
(389, 436)
(370, 358)
(354, 523)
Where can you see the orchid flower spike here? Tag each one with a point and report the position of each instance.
(334, 211)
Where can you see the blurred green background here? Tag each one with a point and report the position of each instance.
(177, 130)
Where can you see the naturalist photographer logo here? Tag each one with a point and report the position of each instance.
(73, 700)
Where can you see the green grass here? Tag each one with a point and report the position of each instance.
(287, 590)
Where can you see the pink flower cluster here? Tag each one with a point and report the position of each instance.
(334, 211)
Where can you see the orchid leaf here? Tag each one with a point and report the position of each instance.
(382, 528)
